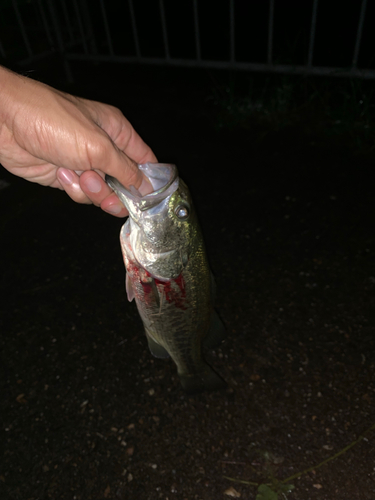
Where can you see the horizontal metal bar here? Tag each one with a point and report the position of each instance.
(241, 66)
(45, 53)
(36, 57)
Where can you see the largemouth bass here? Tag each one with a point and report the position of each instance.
(168, 275)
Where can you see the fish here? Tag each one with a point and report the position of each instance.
(168, 275)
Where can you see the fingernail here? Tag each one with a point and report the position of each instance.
(114, 209)
(93, 185)
(65, 176)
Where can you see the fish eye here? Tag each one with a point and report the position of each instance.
(182, 212)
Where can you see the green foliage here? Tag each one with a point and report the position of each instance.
(275, 492)
(276, 489)
(266, 493)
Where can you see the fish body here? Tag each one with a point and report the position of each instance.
(168, 275)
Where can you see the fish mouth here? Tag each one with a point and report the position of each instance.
(163, 177)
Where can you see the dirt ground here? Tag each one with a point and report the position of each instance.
(288, 218)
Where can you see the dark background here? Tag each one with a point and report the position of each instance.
(285, 200)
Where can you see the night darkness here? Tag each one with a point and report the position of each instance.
(281, 172)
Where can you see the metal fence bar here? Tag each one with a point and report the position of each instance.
(45, 23)
(312, 33)
(88, 23)
(241, 66)
(196, 31)
(80, 26)
(36, 57)
(60, 42)
(106, 28)
(231, 30)
(22, 28)
(270, 32)
(134, 27)
(359, 33)
(68, 23)
(164, 27)
(58, 21)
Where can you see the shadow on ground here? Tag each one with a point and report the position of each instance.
(87, 413)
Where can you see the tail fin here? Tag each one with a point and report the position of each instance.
(207, 380)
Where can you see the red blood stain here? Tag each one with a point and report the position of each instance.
(173, 295)
(173, 291)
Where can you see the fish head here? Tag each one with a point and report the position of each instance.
(162, 223)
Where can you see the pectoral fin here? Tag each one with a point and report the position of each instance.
(129, 288)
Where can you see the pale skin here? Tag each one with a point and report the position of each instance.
(70, 143)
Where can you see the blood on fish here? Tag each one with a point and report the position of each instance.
(132, 269)
(178, 298)
(171, 294)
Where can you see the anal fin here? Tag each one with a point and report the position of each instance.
(129, 288)
(156, 349)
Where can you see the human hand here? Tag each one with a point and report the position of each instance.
(58, 140)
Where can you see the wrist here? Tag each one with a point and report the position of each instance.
(9, 83)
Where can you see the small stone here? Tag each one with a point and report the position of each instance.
(231, 492)
(318, 486)
(130, 477)
(21, 399)
(151, 392)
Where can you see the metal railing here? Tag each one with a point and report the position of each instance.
(78, 30)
